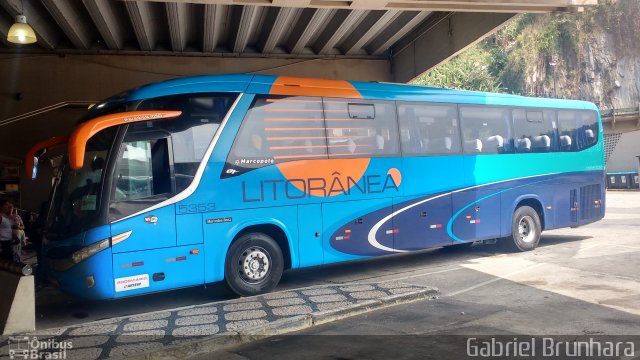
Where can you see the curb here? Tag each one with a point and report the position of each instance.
(226, 340)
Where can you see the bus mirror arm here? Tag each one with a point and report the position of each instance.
(84, 132)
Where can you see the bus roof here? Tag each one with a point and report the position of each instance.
(284, 85)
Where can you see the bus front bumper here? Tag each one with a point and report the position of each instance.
(91, 278)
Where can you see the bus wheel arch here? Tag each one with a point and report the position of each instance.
(276, 233)
(535, 204)
(526, 226)
(256, 259)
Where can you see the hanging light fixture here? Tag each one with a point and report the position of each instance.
(20, 32)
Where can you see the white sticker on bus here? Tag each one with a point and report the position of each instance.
(132, 282)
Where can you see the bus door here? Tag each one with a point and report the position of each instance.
(310, 235)
(144, 236)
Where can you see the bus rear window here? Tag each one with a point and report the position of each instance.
(577, 130)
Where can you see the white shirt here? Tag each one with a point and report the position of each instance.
(6, 228)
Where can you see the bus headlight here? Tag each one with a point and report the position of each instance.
(90, 250)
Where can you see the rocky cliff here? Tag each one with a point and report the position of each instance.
(598, 59)
(593, 55)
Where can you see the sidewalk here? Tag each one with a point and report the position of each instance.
(200, 329)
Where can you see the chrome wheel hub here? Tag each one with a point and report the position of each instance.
(255, 264)
(526, 230)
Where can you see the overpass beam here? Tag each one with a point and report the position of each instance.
(143, 23)
(70, 20)
(216, 19)
(105, 17)
(178, 18)
(441, 38)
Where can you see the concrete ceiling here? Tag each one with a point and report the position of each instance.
(271, 28)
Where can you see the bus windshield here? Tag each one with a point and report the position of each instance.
(77, 193)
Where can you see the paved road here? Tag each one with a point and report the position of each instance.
(583, 281)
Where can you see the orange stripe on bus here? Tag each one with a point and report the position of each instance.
(289, 85)
(277, 138)
(300, 156)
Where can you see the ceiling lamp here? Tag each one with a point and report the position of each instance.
(20, 32)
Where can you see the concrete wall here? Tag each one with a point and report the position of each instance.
(623, 156)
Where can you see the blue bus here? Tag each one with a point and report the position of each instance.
(238, 178)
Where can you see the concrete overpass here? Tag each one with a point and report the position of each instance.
(617, 121)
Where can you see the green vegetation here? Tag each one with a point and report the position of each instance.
(469, 71)
(534, 52)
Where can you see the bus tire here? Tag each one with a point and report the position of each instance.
(254, 264)
(525, 229)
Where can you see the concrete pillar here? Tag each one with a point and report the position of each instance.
(17, 303)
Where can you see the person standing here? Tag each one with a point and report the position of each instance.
(11, 228)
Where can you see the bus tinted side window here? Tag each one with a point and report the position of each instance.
(578, 129)
(360, 128)
(192, 132)
(534, 130)
(587, 129)
(567, 130)
(278, 129)
(143, 170)
(428, 129)
(486, 130)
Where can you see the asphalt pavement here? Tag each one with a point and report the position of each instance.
(580, 284)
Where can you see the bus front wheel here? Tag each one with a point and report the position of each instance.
(525, 229)
(254, 264)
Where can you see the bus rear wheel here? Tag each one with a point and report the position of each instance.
(525, 229)
(254, 264)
